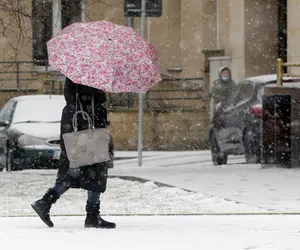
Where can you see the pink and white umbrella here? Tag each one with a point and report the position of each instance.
(106, 56)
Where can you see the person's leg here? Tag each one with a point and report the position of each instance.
(93, 197)
(93, 218)
(42, 207)
(60, 188)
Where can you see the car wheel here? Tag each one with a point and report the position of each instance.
(218, 157)
(252, 149)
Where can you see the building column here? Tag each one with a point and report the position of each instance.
(293, 33)
(191, 38)
(224, 25)
(174, 36)
(237, 38)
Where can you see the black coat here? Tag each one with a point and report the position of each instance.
(92, 177)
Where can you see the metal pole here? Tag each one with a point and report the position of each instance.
(140, 143)
(129, 96)
(130, 22)
(149, 29)
(279, 71)
(82, 10)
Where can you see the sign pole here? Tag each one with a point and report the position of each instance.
(130, 22)
(140, 142)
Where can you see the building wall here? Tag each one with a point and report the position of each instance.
(209, 24)
(105, 10)
(162, 130)
(245, 29)
(177, 35)
(261, 31)
(16, 43)
(237, 38)
(224, 26)
(248, 34)
(294, 34)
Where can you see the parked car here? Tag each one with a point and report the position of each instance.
(236, 125)
(30, 132)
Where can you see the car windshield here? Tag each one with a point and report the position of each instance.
(38, 110)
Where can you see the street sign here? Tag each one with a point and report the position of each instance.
(132, 8)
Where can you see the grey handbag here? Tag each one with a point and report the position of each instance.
(86, 147)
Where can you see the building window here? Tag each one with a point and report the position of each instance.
(70, 12)
(48, 17)
(41, 28)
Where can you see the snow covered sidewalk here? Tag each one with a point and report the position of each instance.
(123, 197)
(236, 188)
(275, 189)
(155, 232)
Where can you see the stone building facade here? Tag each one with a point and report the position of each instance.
(253, 33)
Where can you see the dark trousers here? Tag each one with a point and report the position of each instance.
(93, 197)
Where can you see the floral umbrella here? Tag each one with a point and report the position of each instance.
(106, 56)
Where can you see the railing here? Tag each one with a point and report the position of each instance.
(18, 72)
(29, 76)
(281, 74)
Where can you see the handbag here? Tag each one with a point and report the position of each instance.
(89, 146)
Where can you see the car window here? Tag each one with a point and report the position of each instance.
(245, 93)
(39, 110)
(7, 110)
(3, 110)
(8, 114)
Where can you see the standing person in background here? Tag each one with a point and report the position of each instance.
(223, 86)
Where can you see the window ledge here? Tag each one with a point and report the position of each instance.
(47, 68)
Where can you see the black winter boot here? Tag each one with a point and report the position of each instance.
(42, 206)
(93, 218)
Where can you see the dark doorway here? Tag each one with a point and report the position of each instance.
(282, 29)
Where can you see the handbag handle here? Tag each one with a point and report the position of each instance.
(74, 120)
(85, 115)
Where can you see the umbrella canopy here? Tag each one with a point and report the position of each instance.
(106, 56)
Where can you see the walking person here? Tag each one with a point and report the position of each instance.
(92, 178)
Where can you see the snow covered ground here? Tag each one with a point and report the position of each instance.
(123, 197)
(161, 233)
(275, 189)
(233, 189)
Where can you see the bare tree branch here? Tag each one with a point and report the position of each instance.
(16, 23)
(14, 17)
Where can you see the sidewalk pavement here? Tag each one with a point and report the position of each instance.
(275, 189)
